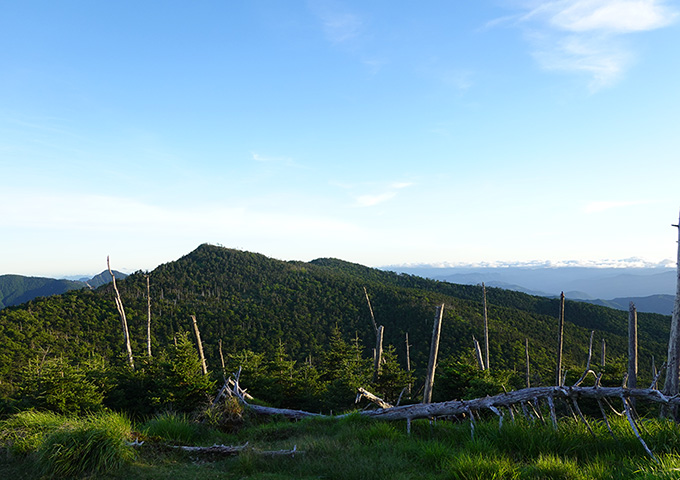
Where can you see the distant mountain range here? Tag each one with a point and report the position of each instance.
(18, 289)
(652, 289)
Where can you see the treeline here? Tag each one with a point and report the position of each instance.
(302, 333)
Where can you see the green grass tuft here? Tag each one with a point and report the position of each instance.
(91, 446)
(24, 432)
(175, 428)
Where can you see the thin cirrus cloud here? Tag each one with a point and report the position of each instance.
(585, 36)
(371, 200)
(339, 25)
(597, 207)
(266, 159)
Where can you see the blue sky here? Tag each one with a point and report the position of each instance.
(377, 132)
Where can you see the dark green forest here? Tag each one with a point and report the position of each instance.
(301, 332)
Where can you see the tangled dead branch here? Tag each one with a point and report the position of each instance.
(527, 398)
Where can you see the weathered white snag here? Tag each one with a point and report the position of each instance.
(486, 331)
(560, 339)
(632, 346)
(434, 350)
(673, 373)
(123, 319)
(204, 367)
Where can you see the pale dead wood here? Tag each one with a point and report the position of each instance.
(377, 358)
(123, 319)
(518, 397)
(221, 449)
(632, 346)
(370, 308)
(434, 350)
(553, 415)
(635, 430)
(224, 369)
(526, 351)
(486, 330)
(148, 318)
(606, 420)
(560, 340)
(583, 419)
(590, 355)
(478, 353)
(235, 450)
(262, 410)
(204, 367)
(363, 393)
(672, 385)
(408, 362)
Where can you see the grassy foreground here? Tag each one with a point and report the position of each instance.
(40, 445)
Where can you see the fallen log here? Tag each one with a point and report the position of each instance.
(524, 397)
(235, 450)
(458, 407)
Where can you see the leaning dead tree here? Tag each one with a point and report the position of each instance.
(434, 350)
(123, 319)
(478, 353)
(379, 332)
(671, 387)
(204, 367)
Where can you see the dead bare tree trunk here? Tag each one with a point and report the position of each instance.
(408, 361)
(560, 340)
(486, 330)
(526, 350)
(370, 308)
(224, 369)
(632, 346)
(671, 387)
(377, 352)
(604, 353)
(434, 350)
(204, 367)
(148, 321)
(377, 360)
(123, 319)
(478, 353)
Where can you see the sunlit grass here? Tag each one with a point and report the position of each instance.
(65, 447)
(350, 448)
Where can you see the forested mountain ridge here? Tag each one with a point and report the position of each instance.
(18, 289)
(253, 303)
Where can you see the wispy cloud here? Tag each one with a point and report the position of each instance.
(596, 207)
(615, 16)
(384, 194)
(339, 25)
(285, 161)
(586, 36)
(372, 200)
(400, 185)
